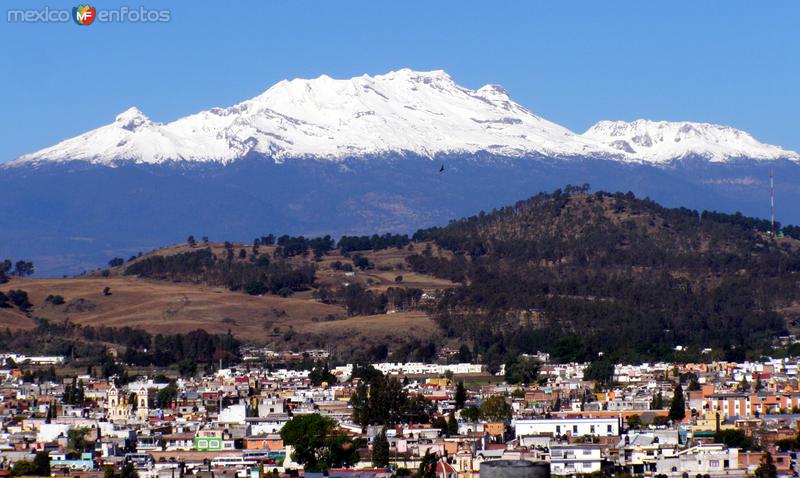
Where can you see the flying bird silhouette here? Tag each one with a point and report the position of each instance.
(441, 170)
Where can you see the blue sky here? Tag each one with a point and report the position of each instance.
(575, 63)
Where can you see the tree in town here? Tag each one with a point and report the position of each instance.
(471, 414)
(128, 471)
(441, 423)
(495, 408)
(76, 439)
(317, 443)
(41, 464)
(380, 450)
(634, 422)
(677, 409)
(166, 396)
(452, 423)
(524, 370)
(187, 367)
(744, 385)
(734, 438)
(601, 371)
(427, 466)
(418, 409)
(464, 354)
(767, 468)
(657, 403)
(321, 374)
(460, 397)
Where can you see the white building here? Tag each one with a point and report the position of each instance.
(233, 414)
(713, 459)
(575, 459)
(567, 427)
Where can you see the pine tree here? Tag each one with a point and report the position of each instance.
(380, 450)
(128, 471)
(452, 424)
(460, 395)
(677, 409)
(427, 466)
(767, 468)
(41, 464)
(657, 403)
(744, 386)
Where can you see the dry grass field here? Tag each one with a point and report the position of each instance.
(162, 307)
(293, 322)
(366, 331)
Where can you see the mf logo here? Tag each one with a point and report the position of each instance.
(83, 14)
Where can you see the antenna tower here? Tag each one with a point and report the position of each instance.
(772, 200)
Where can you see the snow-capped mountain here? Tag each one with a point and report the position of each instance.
(664, 141)
(425, 113)
(401, 112)
(237, 172)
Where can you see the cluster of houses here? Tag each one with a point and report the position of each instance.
(229, 422)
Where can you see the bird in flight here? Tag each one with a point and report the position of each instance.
(441, 170)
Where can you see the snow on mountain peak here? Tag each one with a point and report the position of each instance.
(132, 119)
(664, 141)
(400, 112)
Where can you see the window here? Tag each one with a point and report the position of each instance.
(609, 429)
(202, 443)
(558, 430)
(591, 430)
(713, 463)
(574, 428)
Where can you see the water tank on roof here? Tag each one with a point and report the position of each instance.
(514, 469)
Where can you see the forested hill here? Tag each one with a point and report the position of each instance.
(585, 275)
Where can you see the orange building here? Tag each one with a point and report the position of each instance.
(270, 442)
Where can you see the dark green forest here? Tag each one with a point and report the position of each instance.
(137, 347)
(576, 274)
(258, 276)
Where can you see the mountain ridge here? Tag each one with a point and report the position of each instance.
(401, 112)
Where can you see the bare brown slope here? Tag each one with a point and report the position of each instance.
(161, 307)
(169, 307)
